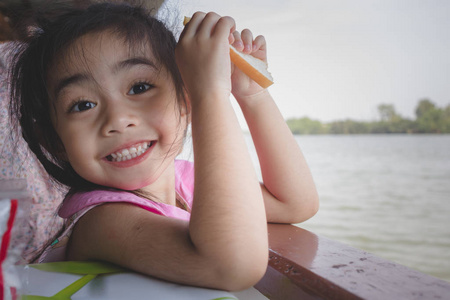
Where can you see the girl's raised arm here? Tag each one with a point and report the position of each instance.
(289, 191)
(228, 211)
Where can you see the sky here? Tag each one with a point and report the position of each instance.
(334, 60)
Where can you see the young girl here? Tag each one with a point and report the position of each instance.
(104, 97)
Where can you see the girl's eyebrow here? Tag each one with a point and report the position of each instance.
(77, 78)
(125, 64)
(133, 61)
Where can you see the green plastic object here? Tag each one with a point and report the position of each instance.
(89, 269)
(67, 292)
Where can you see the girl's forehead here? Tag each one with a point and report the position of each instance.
(96, 56)
(97, 46)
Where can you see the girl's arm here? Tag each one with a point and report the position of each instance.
(289, 191)
(228, 213)
(225, 243)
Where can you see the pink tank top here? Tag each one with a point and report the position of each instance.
(76, 205)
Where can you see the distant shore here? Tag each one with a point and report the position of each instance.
(429, 119)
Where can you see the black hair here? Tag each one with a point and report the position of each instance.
(30, 101)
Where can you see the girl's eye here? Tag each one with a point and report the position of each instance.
(139, 88)
(82, 106)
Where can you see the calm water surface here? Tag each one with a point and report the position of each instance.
(386, 194)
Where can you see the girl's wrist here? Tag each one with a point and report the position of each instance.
(249, 101)
(209, 97)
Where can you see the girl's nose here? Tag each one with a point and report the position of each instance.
(118, 119)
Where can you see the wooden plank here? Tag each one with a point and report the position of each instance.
(303, 265)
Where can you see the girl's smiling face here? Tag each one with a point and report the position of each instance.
(116, 112)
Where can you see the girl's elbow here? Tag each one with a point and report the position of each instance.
(242, 275)
(305, 211)
(313, 206)
(312, 209)
(240, 268)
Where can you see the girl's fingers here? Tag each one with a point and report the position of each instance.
(247, 39)
(244, 42)
(237, 43)
(225, 26)
(259, 43)
(260, 48)
(192, 26)
(207, 25)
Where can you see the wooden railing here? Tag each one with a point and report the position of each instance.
(303, 265)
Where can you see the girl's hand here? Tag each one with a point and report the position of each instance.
(242, 86)
(202, 55)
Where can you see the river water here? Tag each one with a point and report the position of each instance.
(385, 194)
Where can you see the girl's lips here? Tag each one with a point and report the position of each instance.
(130, 152)
(132, 155)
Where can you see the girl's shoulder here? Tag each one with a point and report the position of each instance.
(79, 202)
(184, 181)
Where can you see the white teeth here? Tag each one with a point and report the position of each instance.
(130, 153)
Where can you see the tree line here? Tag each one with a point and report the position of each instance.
(429, 119)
